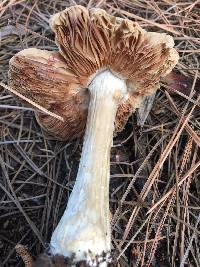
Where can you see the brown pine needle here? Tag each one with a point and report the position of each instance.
(44, 110)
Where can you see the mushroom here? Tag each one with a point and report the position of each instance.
(105, 65)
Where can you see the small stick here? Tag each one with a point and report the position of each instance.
(24, 254)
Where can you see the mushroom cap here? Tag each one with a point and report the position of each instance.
(43, 77)
(90, 41)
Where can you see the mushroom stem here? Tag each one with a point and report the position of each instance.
(84, 229)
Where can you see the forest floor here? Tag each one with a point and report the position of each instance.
(154, 184)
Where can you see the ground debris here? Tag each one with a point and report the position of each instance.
(154, 186)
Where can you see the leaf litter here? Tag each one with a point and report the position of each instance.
(155, 184)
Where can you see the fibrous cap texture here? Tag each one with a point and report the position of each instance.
(90, 41)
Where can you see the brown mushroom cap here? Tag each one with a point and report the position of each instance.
(90, 41)
(43, 77)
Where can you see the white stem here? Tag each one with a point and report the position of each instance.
(84, 229)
